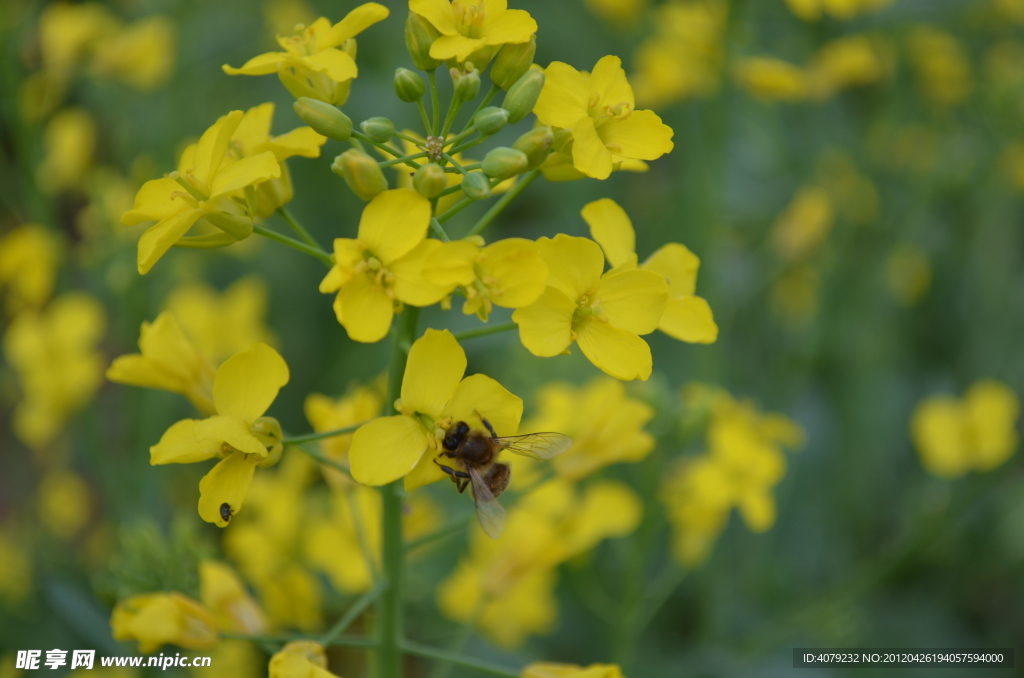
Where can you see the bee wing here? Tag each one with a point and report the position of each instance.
(490, 513)
(537, 445)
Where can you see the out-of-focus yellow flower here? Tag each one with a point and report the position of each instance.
(473, 28)
(141, 54)
(29, 256)
(773, 79)
(155, 619)
(312, 64)
(684, 56)
(434, 396)
(509, 273)
(908, 273)
(224, 594)
(1002, 65)
(551, 670)
(605, 424)
(69, 143)
(252, 137)
(281, 16)
(1010, 9)
(54, 355)
(1013, 164)
(687, 317)
(618, 13)
(68, 31)
(796, 295)
(605, 314)
(222, 324)
(598, 109)
(941, 64)
(852, 193)
(813, 10)
(239, 658)
(360, 405)
(804, 225)
(382, 266)
(301, 659)
(110, 672)
(243, 389)
(853, 61)
(333, 542)
(976, 433)
(65, 503)
(208, 185)
(15, 567)
(168, 362)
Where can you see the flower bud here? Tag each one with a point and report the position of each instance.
(409, 85)
(324, 118)
(361, 173)
(512, 63)
(476, 186)
(522, 96)
(504, 162)
(268, 431)
(466, 81)
(430, 179)
(379, 129)
(420, 34)
(535, 144)
(490, 120)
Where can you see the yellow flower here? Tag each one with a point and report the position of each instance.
(804, 224)
(618, 12)
(598, 110)
(812, 10)
(222, 324)
(168, 362)
(551, 670)
(312, 64)
(140, 54)
(509, 273)
(15, 567)
(472, 26)
(29, 256)
(852, 61)
(54, 355)
(207, 185)
(69, 143)
(687, 317)
(773, 79)
(67, 32)
(64, 503)
(243, 390)
(300, 659)
(605, 314)
(977, 433)
(434, 396)
(252, 137)
(327, 414)
(383, 265)
(941, 64)
(239, 658)
(223, 593)
(154, 619)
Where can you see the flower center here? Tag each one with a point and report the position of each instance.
(588, 307)
(190, 184)
(469, 18)
(374, 269)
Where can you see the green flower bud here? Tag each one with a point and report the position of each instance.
(324, 118)
(379, 129)
(361, 172)
(430, 179)
(420, 34)
(504, 162)
(409, 85)
(490, 120)
(476, 186)
(268, 431)
(535, 144)
(522, 96)
(512, 63)
(466, 81)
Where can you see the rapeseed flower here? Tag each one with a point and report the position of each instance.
(359, 405)
(155, 619)
(29, 257)
(605, 314)
(687, 317)
(300, 659)
(773, 79)
(803, 226)
(69, 144)
(243, 390)
(813, 10)
(552, 670)
(224, 594)
(140, 54)
(598, 109)
(473, 28)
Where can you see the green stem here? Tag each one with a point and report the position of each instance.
(459, 168)
(295, 244)
(320, 435)
(359, 136)
(455, 209)
(411, 139)
(435, 100)
(423, 116)
(503, 202)
(350, 615)
(469, 144)
(483, 103)
(485, 331)
(325, 460)
(403, 159)
(445, 656)
(438, 230)
(389, 609)
(341, 641)
(454, 527)
(453, 110)
(453, 142)
(299, 229)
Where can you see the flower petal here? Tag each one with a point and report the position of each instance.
(433, 372)
(425, 472)
(183, 443)
(354, 23)
(589, 153)
(478, 396)
(617, 352)
(394, 222)
(155, 242)
(364, 309)
(411, 283)
(232, 431)
(457, 47)
(574, 264)
(254, 128)
(226, 483)
(263, 64)
(245, 172)
(608, 81)
(347, 253)
(513, 26)
(563, 101)
(689, 319)
(611, 228)
(633, 300)
(386, 449)
(678, 265)
(212, 147)
(334, 63)
(641, 136)
(302, 141)
(247, 383)
(518, 269)
(438, 12)
(545, 326)
(154, 201)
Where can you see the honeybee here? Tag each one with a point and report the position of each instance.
(477, 453)
(226, 512)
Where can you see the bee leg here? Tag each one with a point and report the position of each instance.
(487, 424)
(460, 478)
